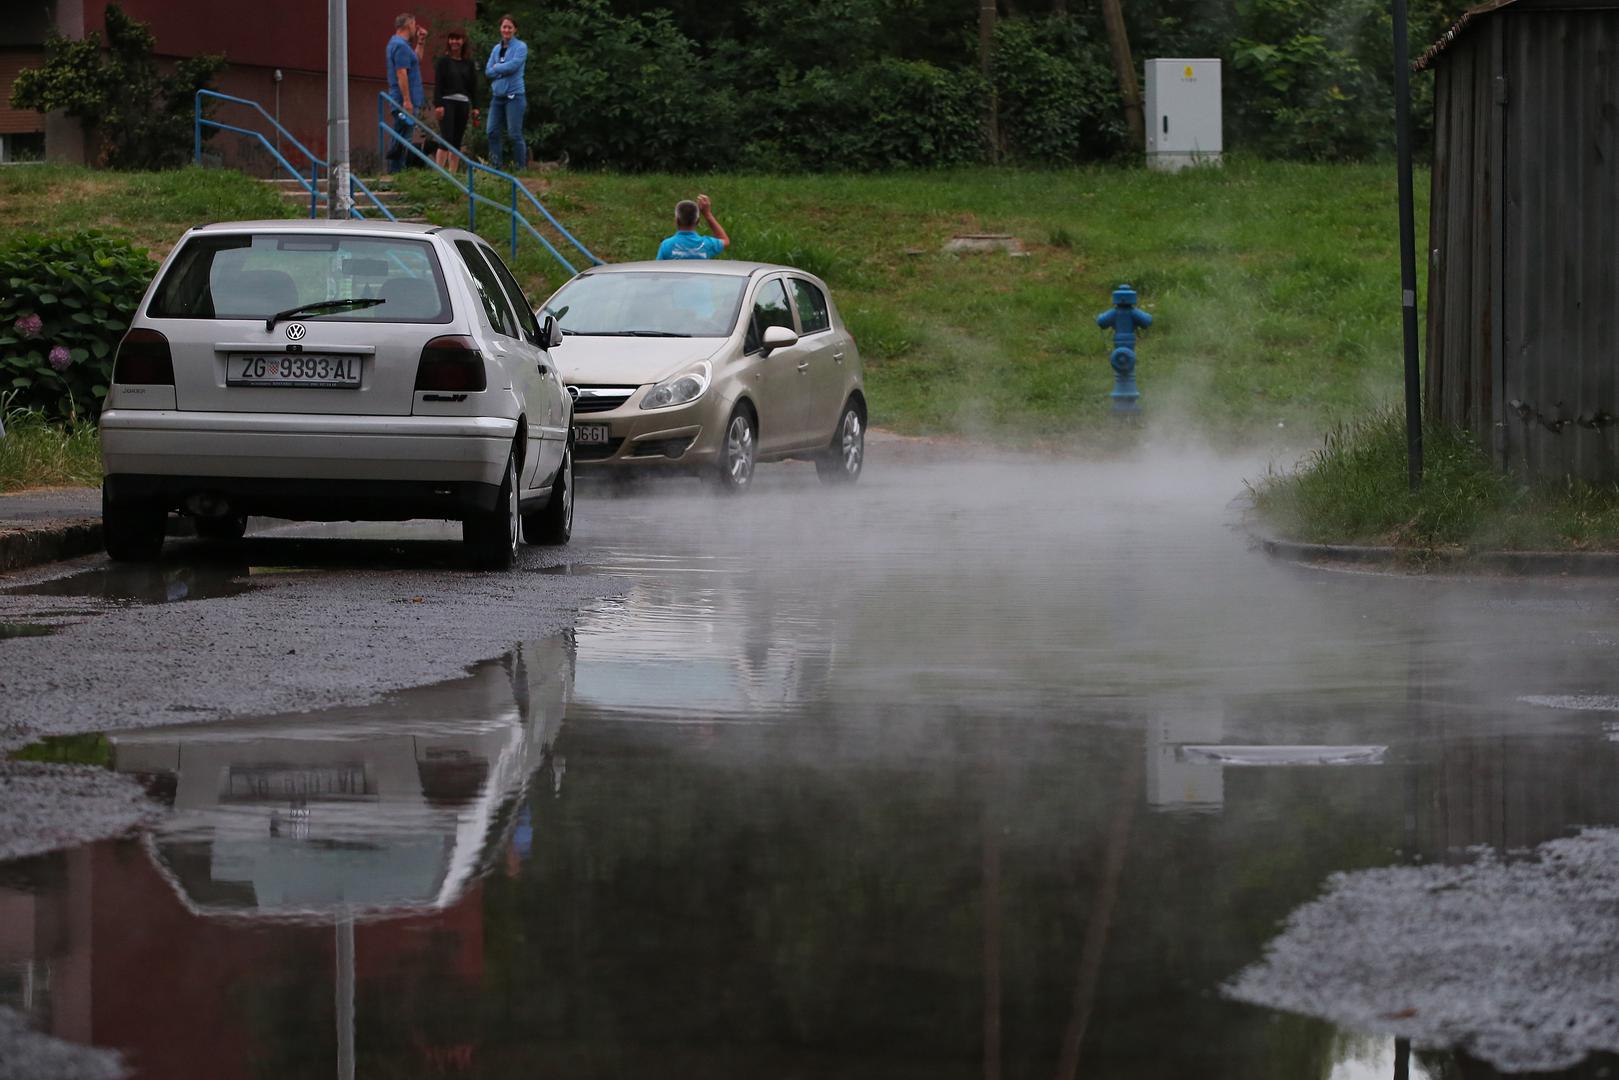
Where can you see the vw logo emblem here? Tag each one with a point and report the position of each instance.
(296, 331)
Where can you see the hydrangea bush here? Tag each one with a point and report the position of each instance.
(65, 302)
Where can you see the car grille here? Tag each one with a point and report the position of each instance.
(596, 451)
(595, 399)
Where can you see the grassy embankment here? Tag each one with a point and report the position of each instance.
(1272, 284)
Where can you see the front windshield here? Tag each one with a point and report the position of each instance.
(649, 304)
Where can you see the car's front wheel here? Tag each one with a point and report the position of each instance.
(490, 539)
(132, 532)
(553, 523)
(845, 456)
(738, 452)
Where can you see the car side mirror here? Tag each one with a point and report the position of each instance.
(778, 337)
(550, 333)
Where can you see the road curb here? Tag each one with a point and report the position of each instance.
(48, 541)
(1523, 563)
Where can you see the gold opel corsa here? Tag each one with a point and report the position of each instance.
(710, 367)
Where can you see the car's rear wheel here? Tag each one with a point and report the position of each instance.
(842, 460)
(228, 527)
(491, 539)
(553, 523)
(132, 531)
(738, 453)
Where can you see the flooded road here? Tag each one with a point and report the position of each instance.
(1003, 769)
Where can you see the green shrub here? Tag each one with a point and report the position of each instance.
(880, 115)
(65, 302)
(141, 115)
(1058, 98)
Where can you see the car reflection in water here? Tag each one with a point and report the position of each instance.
(354, 812)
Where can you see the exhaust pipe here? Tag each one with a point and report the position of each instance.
(207, 504)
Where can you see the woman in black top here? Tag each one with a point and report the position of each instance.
(455, 82)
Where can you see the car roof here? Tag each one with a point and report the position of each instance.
(357, 226)
(725, 267)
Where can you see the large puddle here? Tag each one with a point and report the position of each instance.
(828, 793)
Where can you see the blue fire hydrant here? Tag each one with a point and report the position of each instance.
(1124, 317)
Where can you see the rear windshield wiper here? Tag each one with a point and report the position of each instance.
(320, 309)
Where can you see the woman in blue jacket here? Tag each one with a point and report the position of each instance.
(507, 96)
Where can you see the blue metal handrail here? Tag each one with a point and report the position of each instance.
(385, 131)
(310, 182)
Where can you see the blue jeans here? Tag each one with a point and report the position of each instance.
(397, 156)
(506, 122)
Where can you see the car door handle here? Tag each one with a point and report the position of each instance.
(803, 365)
(543, 369)
(838, 357)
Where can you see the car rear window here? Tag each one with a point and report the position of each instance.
(256, 275)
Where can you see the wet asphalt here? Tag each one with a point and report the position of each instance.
(987, 767)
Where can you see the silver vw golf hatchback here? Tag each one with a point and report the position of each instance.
(337, 371)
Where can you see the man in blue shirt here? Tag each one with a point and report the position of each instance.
(687, 242)
(508, 95)
(404, 73)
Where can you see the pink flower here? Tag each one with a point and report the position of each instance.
(60, 357)
(29, 325)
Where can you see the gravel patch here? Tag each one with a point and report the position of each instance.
(25, 1054)
(1513, 961)
(44, 807)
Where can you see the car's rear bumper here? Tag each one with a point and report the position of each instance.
(334, 468)
(301, 500)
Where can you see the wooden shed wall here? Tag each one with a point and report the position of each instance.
(1464, 236)
(1562, 244)
(1523, 347)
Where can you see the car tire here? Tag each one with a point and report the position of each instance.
(739, 453)
(491, 539)
(132, 531)
(553, 523)
(229, 527)
(845, 456)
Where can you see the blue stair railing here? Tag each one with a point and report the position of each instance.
(519, 191)
(308, 177)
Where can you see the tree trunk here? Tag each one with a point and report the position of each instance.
(1125, 68)
(986, 53)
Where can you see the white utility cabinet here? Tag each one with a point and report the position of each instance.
(1183, 113)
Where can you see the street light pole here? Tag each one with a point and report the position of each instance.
(1408, 247)
(339, 199)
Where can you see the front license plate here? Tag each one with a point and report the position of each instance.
(590, 434)
(294, 369)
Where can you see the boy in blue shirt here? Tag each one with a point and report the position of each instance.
(687, 242)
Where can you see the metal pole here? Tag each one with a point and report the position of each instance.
(472, 203)
(339, 196)
(344, 994)
(514, 219)
(1408, 247)
(196, 129)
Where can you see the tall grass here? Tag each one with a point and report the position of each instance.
(37, 453)
(1354, 489)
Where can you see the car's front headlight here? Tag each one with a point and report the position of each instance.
(683, 389)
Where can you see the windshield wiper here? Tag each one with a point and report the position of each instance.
(653, 333)
(321, 308)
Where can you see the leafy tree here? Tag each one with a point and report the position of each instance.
(141, 117)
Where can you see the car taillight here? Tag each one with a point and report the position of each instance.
(143, 360)
(450, 363)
